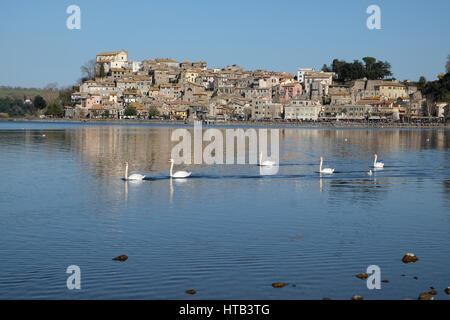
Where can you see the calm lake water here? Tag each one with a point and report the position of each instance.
(228, 232)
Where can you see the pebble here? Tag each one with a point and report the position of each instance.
(279, 284)
(362, 276)
(426, 296)
(433, 292)
(356, 297)
(121, 258)
(191, 291)
(409, 258)
(385, 281)
(447, 290)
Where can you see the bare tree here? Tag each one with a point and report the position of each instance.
(88, 70)
(50, 92)
(430, 108)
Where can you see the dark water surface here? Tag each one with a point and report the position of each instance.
(228, 232)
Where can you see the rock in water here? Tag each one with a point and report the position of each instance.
(409, 258)
(385, 281)
(362, 276)
(191, 291)
(433, 292)
(279, 284)
(426, 296)
(356, 297)
(121, 258)
(447, 291)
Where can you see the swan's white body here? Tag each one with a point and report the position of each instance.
(377, 164)
(265, 163)
(134, 176)
(178, 174)
(325, 170)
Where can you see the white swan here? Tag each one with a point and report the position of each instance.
(369, 173)
(377, 164)
(134, 176)
(325, 170)
(266, 163)
(178, 174)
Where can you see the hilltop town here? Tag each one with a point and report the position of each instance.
(168, 89)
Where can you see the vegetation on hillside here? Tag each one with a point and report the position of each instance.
(370, 69)
(30, 102)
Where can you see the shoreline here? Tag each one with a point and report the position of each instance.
(335, 124)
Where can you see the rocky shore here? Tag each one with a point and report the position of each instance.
(335, 124)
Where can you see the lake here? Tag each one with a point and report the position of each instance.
(228, 232)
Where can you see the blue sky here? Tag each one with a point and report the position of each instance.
(37, 48)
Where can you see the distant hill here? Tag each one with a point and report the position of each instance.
(19, 92)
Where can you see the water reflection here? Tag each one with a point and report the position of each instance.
(227, 228)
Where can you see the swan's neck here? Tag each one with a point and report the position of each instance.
(171, 169)
(126, 171)
(321, 161)
(260, 158)
(375, 159)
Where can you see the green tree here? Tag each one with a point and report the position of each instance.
(55, 109)
(102, 72)
(153, 112)
(65, 97)
(14, 107)
(325, 68)
(130, 111)
(439, 90)
(39, 103)
(371, 69)
(422, 83)
(106, 114)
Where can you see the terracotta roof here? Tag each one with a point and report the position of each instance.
(110, 53)
(96, 107)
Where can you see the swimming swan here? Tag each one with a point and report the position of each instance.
(134, 176)
(178, 174)
(377, 164)
(325, 170)
(265, 163)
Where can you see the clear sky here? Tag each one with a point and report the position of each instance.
(282, 35)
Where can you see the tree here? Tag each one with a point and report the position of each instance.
(106, 114)
(153, 112)
(325, 68)
(65, 97)
(371, 69)
(39, 103)
(422, 83)
(55, 109)
(13, 107)
(130, 111)
(52, 86)
(88, 70)
(375, 70)
(438, 90)
(102, 71)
